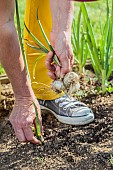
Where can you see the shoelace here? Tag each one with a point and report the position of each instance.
(67, 102)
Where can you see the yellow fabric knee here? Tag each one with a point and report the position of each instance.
(41, 81)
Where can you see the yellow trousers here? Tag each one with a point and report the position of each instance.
(39, 77)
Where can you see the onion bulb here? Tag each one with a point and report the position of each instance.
(69, 84)
(57, 86)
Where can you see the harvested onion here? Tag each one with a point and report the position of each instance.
(57, 86)
(69, 84)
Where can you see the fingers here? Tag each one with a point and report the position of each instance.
(50, 66)
(22, 119)
(72, 61)
(25, 134)
(30, 136)
(71, 56)
(49, 60)
(58, 71)
(52, 75)
(65, 69)
(35, 140)
(66, 60)
(20, 135)
(65, 63)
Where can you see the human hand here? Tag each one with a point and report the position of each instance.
(23, 117)
(61, 43)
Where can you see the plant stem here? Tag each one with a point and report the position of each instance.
(20, 39)
(55, 58)
(38, 129)
(103, 81)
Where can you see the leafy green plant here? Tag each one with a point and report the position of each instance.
(20, 38)
(101, 55)
(80, 48)
(109, 89)
(38, 130)
(39, 46)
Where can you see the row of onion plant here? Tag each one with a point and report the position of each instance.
(84, 41)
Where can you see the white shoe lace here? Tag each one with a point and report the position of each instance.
(67, 102)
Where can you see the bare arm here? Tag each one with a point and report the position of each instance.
(10, 51)
(62, 16)
(23, 112)
(66, 16)
(55, 11)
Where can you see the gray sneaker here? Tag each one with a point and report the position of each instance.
(68, 110)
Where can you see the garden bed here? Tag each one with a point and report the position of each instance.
(66, 147)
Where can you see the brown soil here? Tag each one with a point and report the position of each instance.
(66, 147)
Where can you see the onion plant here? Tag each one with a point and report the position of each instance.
(38, 128)
(20, 38)
(38, 45)
(101, 54)
(80, 48)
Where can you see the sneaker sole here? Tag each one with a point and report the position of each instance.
(72, 121)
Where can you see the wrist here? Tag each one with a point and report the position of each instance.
(25, 100)
(25, 94)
